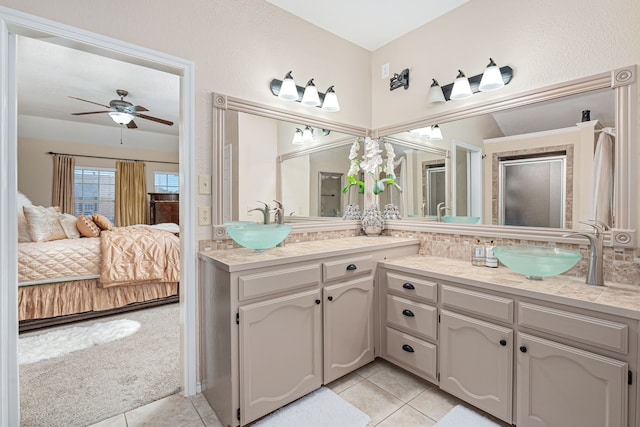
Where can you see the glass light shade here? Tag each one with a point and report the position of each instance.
(491, 78)
(436, 133)
(310, 96)
(331, 101)
(288, 88)
(297, 137)
(307, 134)
(121, 118)
(461, 88)
(435, 94)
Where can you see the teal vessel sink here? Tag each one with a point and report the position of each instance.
(536, 261)
(461, 219)
(258, 236)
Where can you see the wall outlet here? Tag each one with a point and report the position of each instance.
(384, 71)
(204, 215)
(204, 184)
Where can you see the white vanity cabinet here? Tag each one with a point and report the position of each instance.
(275, 330)
(531, 361)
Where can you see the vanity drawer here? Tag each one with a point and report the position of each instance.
(347, 267)
(486, 305)
(413, 352)
(413, 288)
(419, 318)
(271, 282)
(585, 329)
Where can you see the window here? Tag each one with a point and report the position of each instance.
(95, 190)
(166, 182)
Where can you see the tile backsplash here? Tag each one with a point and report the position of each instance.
(620, 265)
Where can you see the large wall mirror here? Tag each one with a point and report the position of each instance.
(481, 168)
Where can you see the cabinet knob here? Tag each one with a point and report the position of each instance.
(503, 342)
(330, 298)
(408, 313)
(317, 301)
(408, 286)
(407, 348)
(523, 349)
(352, 267)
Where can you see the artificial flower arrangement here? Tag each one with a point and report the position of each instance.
(371, 162)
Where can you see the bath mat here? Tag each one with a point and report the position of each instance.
(322, 408)
(460, 416)
(57, 343)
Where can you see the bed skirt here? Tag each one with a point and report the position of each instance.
(80, 296)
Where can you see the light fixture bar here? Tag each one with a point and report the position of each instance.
(474, 82)
(276, 84)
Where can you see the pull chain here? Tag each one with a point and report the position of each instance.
(120, 134)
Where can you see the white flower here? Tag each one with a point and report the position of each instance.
(353, 156)
(371, 158)
(388, 167)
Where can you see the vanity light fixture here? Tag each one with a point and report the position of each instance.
(307, 134)
(430, 132)
(330, 102)
(286, 89)
(461, 88)
(464, 87)
(310, 96)
(436, 133)
(435, 94)
(297, 137)
(491, 78)
(121, 118)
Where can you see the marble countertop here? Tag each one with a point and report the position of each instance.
(612, 298)
(243, 258)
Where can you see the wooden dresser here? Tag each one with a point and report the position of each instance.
(164, 207)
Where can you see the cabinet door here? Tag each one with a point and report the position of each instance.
(280, 352)
(560, 385)
(348, 327)
(476, 363)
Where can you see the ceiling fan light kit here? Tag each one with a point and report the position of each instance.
(123, 112)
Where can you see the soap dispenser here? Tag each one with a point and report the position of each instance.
(477, 254)
(490, 258)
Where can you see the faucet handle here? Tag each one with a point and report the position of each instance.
(278, 204)
(598, 226)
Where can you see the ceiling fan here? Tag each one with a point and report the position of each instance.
(123, 112)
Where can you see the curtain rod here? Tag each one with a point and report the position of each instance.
(111, 158)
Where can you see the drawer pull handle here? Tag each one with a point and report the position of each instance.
(317, 301)
(523, 349)
(352, 267)
(330, 298)
(407, 348)
(408, 286)
(408, 313)
(503, 342)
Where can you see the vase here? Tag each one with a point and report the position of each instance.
(372, 221)
(352, 212)
(391, 211)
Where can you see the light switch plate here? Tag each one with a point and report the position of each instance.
(204, 184)
(204, 215)
(384, 71)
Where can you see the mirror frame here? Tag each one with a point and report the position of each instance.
(622, 80)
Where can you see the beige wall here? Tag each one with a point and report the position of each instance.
(35, 167)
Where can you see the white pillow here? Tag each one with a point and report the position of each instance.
(68, 223)
(23, 228)
(44, 223)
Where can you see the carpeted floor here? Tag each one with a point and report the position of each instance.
(93, 384)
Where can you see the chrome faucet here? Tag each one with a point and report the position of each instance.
(441, 207)
(279, 213)
(265, 211)
(424, 208)
(595, 273)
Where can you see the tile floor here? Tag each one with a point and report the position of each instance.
(389, 395)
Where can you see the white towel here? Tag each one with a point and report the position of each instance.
(602, 204)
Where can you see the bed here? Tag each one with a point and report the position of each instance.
(123, 268)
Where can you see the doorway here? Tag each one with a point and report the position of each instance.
(15, 23)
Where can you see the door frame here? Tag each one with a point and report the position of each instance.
(13, 23)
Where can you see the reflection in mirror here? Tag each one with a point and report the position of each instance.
(498, 157)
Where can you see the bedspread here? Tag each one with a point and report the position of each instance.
(139, 254)
(67, 259)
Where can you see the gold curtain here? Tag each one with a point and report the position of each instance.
(131, 194)
(62, 193)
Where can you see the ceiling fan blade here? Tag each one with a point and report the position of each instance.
(89, 112)
(132, 125)
(155, 119)
(138, 108)
(91, 102)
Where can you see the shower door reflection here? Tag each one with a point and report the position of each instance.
(330, 194)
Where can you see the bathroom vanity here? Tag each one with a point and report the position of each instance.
(278, 324)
